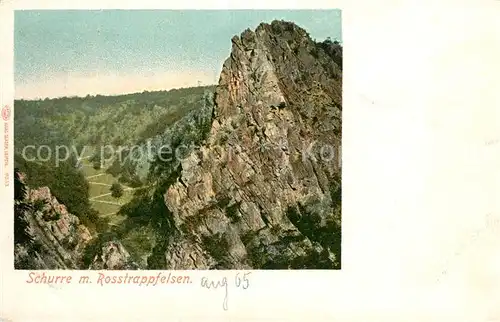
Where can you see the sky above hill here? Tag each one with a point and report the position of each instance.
(70, 52)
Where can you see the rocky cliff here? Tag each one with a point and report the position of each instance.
(47, 236)
(58, 237)
(264, 191)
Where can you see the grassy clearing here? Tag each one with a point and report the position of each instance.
(97, 190)
(105, 178)
(127, 196)
(88, 151)
(104, 181)
(88, 170)
(115, 220)
(105, 208)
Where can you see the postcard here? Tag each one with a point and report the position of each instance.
(188, 163)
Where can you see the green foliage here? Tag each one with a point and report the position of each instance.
(115, 169)
(328, 234)
(157, 258)
(148, 209)
(101, 120)
(116, 190)
(180, 116)
(93, 120)
(336, 191)
(257, 256)
(96, 165)
(94, 247)
(222, 201)
(313, 260)
(93, 221)
(332, 49)
(96, 157)
(23, 208)
(139, 243)
(129, 179)
(51, 216)
(66, 183)
(317, 221)
(38, 205)
(19, 186)
(158, 127)
(218, 248)
(21, 234)
(135, 181)
(232, 212)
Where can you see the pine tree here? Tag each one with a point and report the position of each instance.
(21, 209)
(116, 190)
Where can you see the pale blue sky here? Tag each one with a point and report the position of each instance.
(55, 49)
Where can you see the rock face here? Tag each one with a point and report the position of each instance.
(59, 238)
(264, 191)
(185, 132)
(112, 256)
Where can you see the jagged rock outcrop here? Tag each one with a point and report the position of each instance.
(58, 236)
(185, 133)
(264, 191)
(113, 256)
(55, 238)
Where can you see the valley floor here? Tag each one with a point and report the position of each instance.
(100, 195)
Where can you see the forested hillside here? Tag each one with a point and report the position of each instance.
(101, 120)
(84, 125)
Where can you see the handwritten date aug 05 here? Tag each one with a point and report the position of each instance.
(241, 280)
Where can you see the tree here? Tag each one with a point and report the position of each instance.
(115, 169)
(21, 209)
(97, 165)
(116, 190)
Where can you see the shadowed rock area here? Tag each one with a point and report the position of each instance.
(47, 236)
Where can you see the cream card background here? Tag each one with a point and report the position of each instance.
(421, 157)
